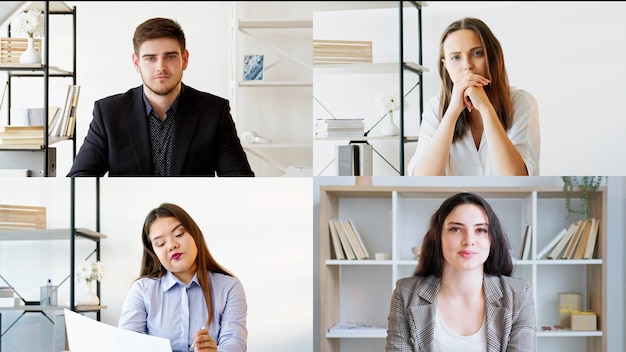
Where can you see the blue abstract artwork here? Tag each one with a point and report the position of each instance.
(253, 67)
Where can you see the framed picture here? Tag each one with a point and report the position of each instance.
(253, 67)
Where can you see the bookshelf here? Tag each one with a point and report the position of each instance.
(71, 244)
(277, 107)
(39, 160)
(335, 85)
(394, 218)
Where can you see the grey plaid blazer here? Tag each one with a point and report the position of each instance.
(511, 321)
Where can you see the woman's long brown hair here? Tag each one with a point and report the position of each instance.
(151, 266)
(497, 90)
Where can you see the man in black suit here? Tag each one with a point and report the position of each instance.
(164, 127)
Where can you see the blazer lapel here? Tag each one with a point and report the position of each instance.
(424, 313)
(187, 118)
(497, 322)
(137, 127)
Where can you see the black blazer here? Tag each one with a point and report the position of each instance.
(205, 139)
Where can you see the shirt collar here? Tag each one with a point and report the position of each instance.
(172, 108)
(169, 280)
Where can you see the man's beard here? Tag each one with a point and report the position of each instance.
(164, 91)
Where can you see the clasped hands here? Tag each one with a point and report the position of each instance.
(470, 90)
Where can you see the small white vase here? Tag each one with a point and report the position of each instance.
(389, 128)
(89, 297)
(30, 55)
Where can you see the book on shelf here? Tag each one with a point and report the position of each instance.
(357, 329)
(362, 252)
(546, 249)
(27, 116)
(6, 291)
(21, 135)
(343, 238)
(65, 124)
(556, 251)
(353, 242)
(571, 246)
(526, 243)
(582, 244)
(591, 241)
(339, 127)
(335, 242)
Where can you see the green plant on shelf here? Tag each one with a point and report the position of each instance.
(588, 187)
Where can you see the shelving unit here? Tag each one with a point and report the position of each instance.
(39, 160)
(394, 219)
(277, 107)
(400, 67)
(70, 234)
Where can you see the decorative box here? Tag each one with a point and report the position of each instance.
(584, 321)
(568, 303)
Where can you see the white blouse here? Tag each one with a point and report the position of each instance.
(465, 159)
(447, 341)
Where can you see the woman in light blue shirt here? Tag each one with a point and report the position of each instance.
(173, 299)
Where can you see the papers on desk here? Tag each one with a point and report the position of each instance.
(88, 335)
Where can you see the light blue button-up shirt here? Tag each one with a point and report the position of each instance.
(168, 308)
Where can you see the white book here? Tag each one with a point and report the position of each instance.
(545, 250)
(571, 230)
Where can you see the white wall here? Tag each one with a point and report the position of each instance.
(260, 229)
(564, 53)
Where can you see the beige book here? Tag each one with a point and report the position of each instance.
(556, 251)
(571, 246)
(353, 240)
(334, 237)
(345, 242)
(593, 235)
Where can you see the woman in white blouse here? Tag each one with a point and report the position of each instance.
(478, 124)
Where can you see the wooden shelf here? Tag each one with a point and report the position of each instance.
(390, 220)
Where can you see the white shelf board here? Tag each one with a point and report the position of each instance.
(275, 84)
(363, 68)
(276, 146)
(342, 330)
(359, 5)
(46, 234)
(363, 138)
(271, 24)
(38, 308)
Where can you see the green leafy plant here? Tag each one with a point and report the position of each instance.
(588, 186)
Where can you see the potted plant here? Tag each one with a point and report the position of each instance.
(587, 186)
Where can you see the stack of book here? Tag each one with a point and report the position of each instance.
(21, 135)
(7, 297)
(346, 240)
(578, 241)
(339, 128)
